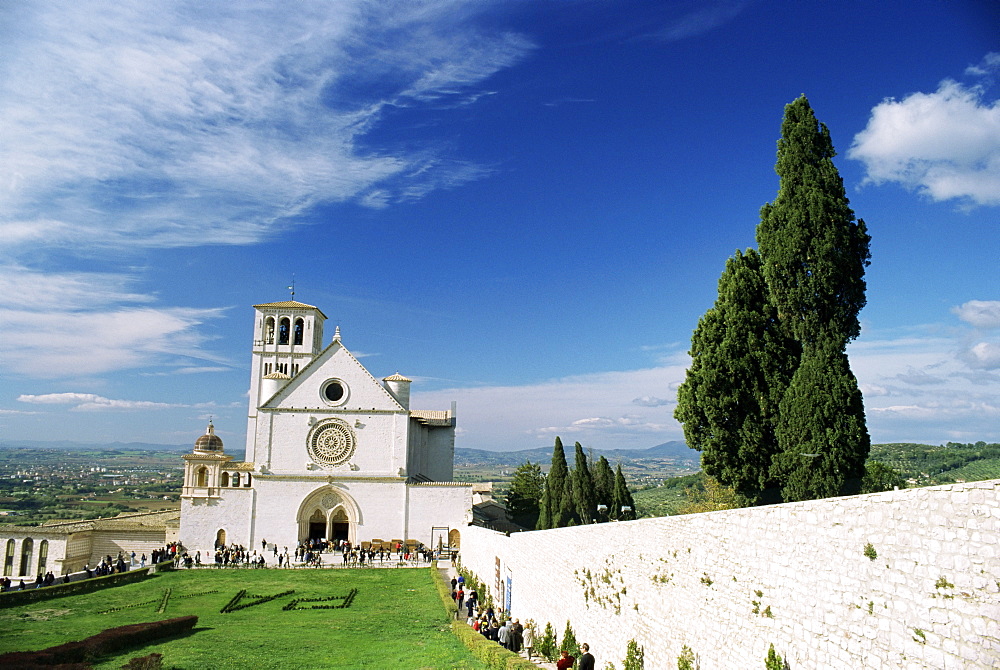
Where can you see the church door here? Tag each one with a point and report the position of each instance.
(340, 526)
(317, 525)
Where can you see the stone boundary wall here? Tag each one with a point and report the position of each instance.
(901, 579)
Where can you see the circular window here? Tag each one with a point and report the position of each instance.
(334, 392)
(331, 443)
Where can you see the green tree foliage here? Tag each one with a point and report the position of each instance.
(548, 646)
(525, 494)
(770, 399)
(881, 477)
(584, 501)
(773, 660)
(815, 252)
(635, 656)
(604, 483)
(569, 642)
(622, 498)
(740, 366)
(557, 501)
(821, 429)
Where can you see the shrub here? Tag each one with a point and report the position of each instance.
(773, 661)
(635, 657)
(686, 660)
(569, 642)
(547, 646)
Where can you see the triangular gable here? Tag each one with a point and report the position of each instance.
(303, 391)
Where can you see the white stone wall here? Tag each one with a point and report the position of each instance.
(728, 584)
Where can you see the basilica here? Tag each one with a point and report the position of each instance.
(331, 452)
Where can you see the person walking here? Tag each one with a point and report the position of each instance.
(529, 640)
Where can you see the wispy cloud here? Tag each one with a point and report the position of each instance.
(945, 144)
(707, 16)
(125, 125)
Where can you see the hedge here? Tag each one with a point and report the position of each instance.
(89, 585)
(108, 642)
(489, 652)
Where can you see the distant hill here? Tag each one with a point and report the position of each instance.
(673, 451)
(68, 445)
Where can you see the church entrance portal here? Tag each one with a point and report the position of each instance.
(317, 526)
(328, 514)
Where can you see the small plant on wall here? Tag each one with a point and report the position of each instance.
(870, 551)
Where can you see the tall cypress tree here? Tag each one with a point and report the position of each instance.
(584, 505)
(558, 492)
(815, 254)
(604, 484)
(623, 498)
(740, 366)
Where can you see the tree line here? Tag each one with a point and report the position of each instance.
(567, 497)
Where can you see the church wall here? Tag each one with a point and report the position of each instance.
(728, 584)
(110, 542)
(440, 454)
(202, 518)
(380, 448)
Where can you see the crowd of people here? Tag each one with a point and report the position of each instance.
(508, 633)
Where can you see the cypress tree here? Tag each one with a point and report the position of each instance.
(558, 489)
(740, 366)
(822, 422)
(584, 507)
(814, 256)
(623, 498)
(604, 484)
(814, 252)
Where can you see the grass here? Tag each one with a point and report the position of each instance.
(395, 620)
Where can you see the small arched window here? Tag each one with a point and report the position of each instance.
(43, 555)
(236, 479)
(202, 476)
(283, 327)
(269, 330)
(299, 326)
(247, 485)
(26, 548)
(8, 561)
(225, 479)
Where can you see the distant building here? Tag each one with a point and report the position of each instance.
(331, 452)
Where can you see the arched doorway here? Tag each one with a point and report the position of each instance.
(317, 525)
(220, 539)
(454, 539)
(340, 525)
(328, 512)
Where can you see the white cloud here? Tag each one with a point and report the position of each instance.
(708, 16)
(124, 125)
(596, 409)
(979, 313)
(945, 144)
(75, 344)
(88, 402)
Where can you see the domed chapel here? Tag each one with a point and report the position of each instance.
(331, 451)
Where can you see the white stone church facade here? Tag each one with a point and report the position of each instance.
(331, 451)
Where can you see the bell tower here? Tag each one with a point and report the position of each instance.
(287, 335)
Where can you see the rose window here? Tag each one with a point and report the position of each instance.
(331, 443)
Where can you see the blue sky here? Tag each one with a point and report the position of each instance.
(524, 206)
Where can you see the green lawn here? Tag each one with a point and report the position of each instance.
(395, 620)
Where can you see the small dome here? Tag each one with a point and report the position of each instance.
(209, 441)
(396, 378)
